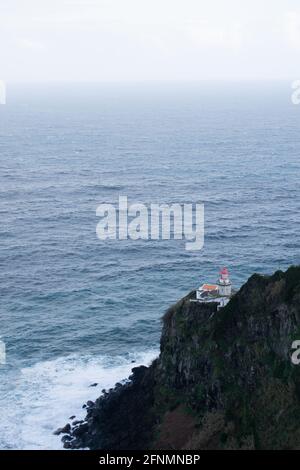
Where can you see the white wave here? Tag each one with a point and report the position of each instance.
(45, 395)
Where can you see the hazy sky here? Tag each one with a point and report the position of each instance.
(149, 39)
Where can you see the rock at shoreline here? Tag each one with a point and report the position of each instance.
(79, 421)
(64, 430)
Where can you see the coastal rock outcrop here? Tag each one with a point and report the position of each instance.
(224, 379)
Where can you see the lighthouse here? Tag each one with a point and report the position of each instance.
(224, 284)
(219, 293)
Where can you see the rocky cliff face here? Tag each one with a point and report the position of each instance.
(223, 379)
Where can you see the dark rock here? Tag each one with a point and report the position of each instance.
(72, 417)
(65, 430)
(79, 421)
(93, 385)
(80, 430)
(115, 412)
(68, 445)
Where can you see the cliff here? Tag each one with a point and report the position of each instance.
(223, 380)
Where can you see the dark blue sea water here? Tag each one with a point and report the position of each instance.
(77, 310)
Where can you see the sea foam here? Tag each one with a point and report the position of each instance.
(49, 392)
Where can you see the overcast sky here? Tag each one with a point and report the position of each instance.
(104, 40)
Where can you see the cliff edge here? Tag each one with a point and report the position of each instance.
(224, 379)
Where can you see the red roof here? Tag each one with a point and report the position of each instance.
(209, 287)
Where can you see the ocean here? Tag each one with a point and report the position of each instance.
(75, 310)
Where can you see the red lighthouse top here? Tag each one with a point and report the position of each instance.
(224, 273)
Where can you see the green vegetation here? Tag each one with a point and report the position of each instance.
(231, 369)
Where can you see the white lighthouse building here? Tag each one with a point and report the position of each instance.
(219, 293)
(224, 284)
